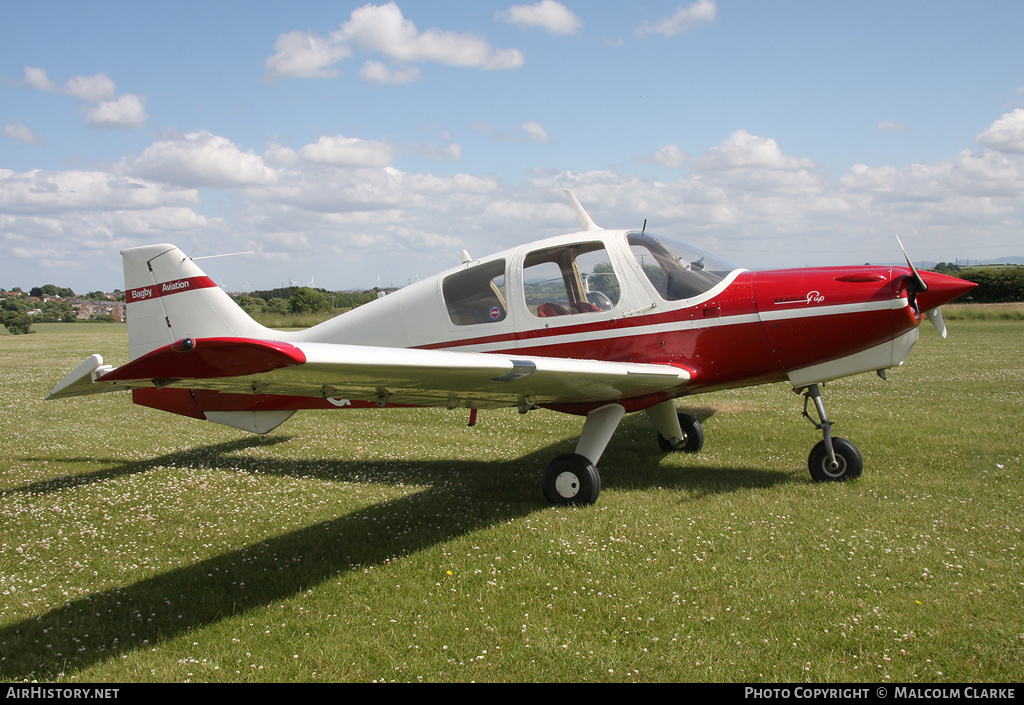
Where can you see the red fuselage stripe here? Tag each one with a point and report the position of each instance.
(177, 286)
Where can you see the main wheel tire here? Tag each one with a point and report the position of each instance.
(850, 462)
(693, 436)
(571, 480)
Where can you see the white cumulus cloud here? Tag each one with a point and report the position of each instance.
(446, 153)
(530, 131)
(684, 19)
(128, 111)
(305, 55)
(98, 90)
(202, 159)
(378, 72)
(337, 150)
(670, 156)
(384, 30)
(37, 78)
(16, 131)
(91, 89)
(548, 15)
(52, 192)
(535, 132)
(889, 126)
(746, 151)
(1005, 134)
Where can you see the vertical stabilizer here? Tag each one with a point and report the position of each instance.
(169, 298)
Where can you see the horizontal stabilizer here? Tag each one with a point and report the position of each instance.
(82, 380)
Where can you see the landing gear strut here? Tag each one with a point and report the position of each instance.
(831, 459)
(676, 431)
(572, 479)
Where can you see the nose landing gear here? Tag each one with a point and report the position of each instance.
(832, 459)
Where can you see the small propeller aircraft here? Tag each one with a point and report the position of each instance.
(598, 323)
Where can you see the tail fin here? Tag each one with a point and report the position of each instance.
(169, 298)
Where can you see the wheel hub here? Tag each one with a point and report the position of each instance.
(834, 469)
(567, 484)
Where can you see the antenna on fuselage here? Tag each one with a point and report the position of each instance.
(585, 220)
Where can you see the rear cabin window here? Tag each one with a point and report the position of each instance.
(476, 295)
(565, 281)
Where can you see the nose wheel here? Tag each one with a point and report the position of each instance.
(832, 459)
(846, 461)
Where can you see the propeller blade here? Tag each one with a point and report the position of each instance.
(922, 286)
(935, 316)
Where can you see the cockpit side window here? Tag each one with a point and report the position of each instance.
(676, 271)
(476, 295)
(568, 280)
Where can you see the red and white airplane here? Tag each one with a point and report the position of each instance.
(598, 323)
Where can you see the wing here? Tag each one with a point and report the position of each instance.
(384, 375)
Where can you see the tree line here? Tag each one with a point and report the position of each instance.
(301, 299)
(14, 310)
(996, 284)
(54, 304)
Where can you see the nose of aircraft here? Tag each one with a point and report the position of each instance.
(941, 289)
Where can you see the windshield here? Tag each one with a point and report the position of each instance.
(676, 270)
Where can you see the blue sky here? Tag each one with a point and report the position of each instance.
(346, 141)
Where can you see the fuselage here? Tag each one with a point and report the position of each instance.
(601, 295)
(731, 327)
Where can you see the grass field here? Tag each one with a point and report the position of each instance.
(400, 545)
(984, 312)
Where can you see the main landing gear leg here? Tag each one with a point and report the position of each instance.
(832, 459)
(572, 478)
(676, 431)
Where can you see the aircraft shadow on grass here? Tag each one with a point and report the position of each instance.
(460, 497)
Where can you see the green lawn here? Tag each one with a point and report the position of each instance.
(401, 545)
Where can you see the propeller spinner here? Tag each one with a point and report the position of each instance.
(926, 297)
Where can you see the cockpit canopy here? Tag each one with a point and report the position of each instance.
(580, 277)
